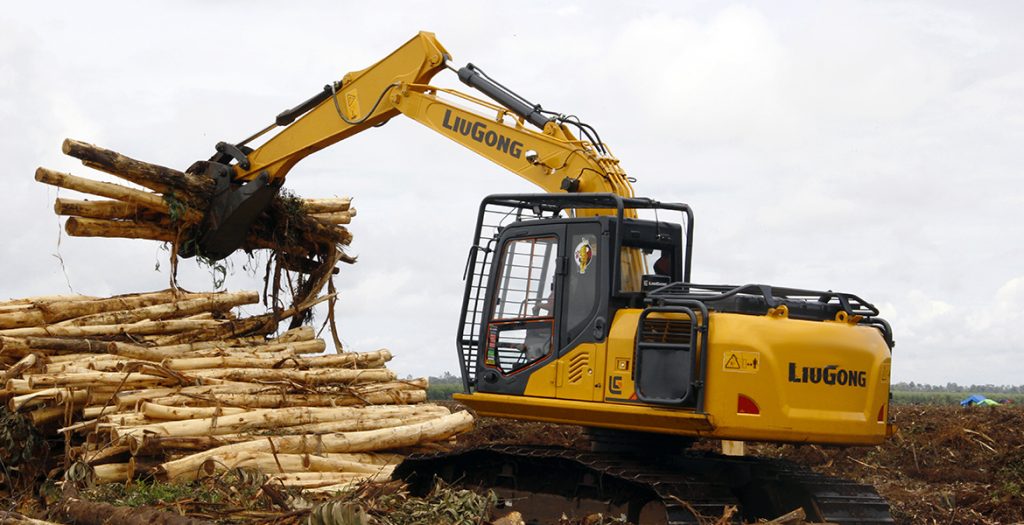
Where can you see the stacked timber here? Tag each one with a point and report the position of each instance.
(175, 385)
(169, 205)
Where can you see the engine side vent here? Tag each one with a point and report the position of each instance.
(671, 331)
(666, 356)
(578, 367)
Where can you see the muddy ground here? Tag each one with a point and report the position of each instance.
(946, 465)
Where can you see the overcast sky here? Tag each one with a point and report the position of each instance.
(868, 147)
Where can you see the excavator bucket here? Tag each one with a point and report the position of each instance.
(233, 209)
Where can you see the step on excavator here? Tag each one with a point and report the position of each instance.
(579, 309)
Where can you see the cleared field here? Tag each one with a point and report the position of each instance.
(945, 465)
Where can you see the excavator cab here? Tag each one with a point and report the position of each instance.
(544, 280)
(553, 279)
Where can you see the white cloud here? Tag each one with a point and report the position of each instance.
(967, 344)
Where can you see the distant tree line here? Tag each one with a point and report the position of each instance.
(953, 387)
(443, 386)
(446, 378)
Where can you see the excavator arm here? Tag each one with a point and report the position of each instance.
(359, 101)
(550, 155)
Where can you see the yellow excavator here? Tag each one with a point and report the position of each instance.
(579, 309)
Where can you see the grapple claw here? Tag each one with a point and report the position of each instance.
(233, 209)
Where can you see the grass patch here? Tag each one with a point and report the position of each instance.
(150, 493)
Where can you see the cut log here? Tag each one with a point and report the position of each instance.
(334, 218)
(41, 416)
(256, 325)
(18, 387)
(160, 353)
(60, 310)
(139, 328)
(303, 377)
(333, 427)
(273, 418)
(87, 365)
(93, 395)
(302, 333)
(152, 176)
(317, 479)
(366, 458)
(128, 400)
(80, 227)
(362, 360)
(95, 412)
(13, 347)
(183, 308)
(326, 205)
(160, 445)
(169, 413)
(58, 396)
(114, 421)
(114, 191)
(281, 463)
(33, 399)
(369, 440)
(254, 401)
(22, 317)
(133, 380)
(37, 299)
(23, 364)
(111, 210)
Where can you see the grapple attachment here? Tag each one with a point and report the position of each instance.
(233, 209)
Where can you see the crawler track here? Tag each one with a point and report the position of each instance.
(544, 482)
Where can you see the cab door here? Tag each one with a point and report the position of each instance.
(580, 366)
(521, 336)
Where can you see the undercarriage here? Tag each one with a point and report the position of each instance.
(545, 483)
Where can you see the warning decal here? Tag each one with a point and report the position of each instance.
(737, 361)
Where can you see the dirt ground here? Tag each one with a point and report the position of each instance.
(946, 465)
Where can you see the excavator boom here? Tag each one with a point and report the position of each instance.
(549, 156)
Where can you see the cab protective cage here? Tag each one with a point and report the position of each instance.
(498, 211)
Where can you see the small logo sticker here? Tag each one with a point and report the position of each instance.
(583, 254)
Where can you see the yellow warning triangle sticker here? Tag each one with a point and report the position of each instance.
(733, 362)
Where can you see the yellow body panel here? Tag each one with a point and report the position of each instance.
(760, 357)
(588, 413)
(799, 411)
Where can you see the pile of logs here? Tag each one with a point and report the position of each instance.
(169, 205)
(175, 385)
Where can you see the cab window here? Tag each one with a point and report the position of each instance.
(638, 262)
(521, 329)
